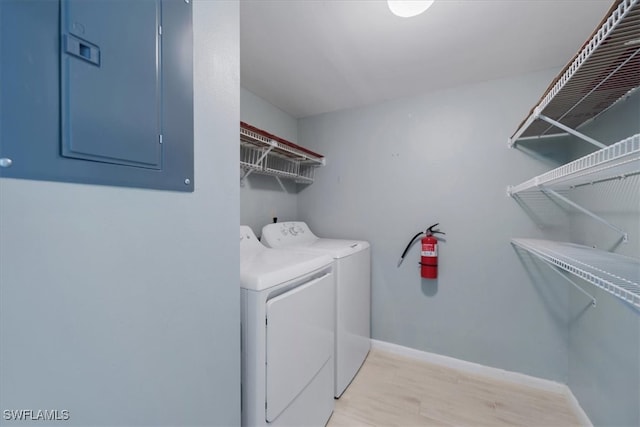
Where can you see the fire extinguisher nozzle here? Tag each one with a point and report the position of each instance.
(400, 262)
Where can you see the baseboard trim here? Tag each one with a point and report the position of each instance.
(487, 371)
(470, 367)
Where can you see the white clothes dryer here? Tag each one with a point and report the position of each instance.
(287, 338)
(352, 260)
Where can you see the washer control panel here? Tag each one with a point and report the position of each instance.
(286, 233)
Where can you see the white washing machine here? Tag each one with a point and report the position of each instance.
(353, 291)
(287, 335)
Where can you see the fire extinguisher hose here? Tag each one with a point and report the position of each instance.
(411, 242)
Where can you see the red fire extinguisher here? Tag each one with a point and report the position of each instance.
(428, 254)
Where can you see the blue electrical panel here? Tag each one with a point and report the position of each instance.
(97, 92)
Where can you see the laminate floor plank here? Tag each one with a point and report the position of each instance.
(392, 390)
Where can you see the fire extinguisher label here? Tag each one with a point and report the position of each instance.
(429, 249)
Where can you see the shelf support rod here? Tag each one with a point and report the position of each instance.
(514, 139)
(537, 137)
(572, 131)
(561, 274)
(267, 151)
(259, 162)
(246, 174)
(280, 182)
(553, 193)
(244, 177)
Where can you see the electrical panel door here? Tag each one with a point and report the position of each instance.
(110, 74)
(97, 92)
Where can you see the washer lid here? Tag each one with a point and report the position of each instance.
(336, 248)
(262, 267)
(297, 235)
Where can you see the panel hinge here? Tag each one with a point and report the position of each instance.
(160, 29)
(160, 138)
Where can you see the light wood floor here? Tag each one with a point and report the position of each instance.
(392, 390)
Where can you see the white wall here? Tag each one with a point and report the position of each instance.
(397, 167)
(121, 305)
(262, 197)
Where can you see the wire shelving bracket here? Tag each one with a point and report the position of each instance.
(616, 274)
(572, 131)
(625, 236)
(560, 273)
(250, 167)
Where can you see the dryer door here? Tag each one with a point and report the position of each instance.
(299, 340)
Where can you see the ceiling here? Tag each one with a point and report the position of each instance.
(308, 57)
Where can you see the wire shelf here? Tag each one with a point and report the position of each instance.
(281, 166)
(255, 136)
(617, 160)
(306, 174)
(604, 71)
(267, 154)
(616, 274)
(250, 157)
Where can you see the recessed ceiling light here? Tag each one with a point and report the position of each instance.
(408, 8)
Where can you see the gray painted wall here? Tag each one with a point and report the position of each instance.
(604, 342)
(260, 113)
(397, 167)
(262, 197)
(122, 305)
